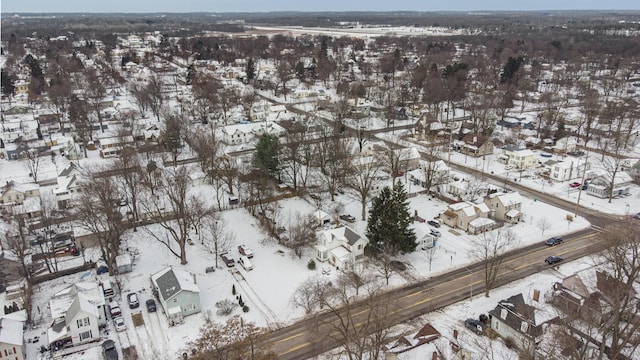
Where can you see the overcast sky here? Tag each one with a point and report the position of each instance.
(307, 5)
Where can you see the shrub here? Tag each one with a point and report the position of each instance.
(510, 343)
(233, 289)
(245, 308)
(311, 265)
(225, 307)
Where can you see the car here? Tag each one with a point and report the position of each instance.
(228, 260)
(245, 262)
(574, 185)
(553, 259)
(114, 309)
(556, 240)
(244, 250)
(109, 350)
(637, 216)
(347, 218)
(435, 233)
(546, 155)
(118, 322)
(132, 298)
(151, 305)
(433, 223)
(474, 325)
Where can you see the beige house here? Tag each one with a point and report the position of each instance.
(520, 158)
(12, 339)
(459, 215)
(505, 207)
(476, 145)
(14, 194)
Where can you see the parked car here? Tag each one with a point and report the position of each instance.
(244, 250)
(433, 223)
(109, 350)
(637, 216)
(348, 218)
(151, 305)
(554, 241)
(132, 298)
(118, 322)
(398, 265)
(246, 263)
(435, 233)
(553, 259)
(474, 325)
(228, 260)
(114, 309)
(574, 184)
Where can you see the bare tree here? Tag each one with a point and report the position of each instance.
(177, 211)
(219, 240)
(620, 262)
(235, 339)
(489, 249)
(130, 178)
(98, 212)
(431, 254)
(543, 224)
(33, 163)
(363, 179)
(301, 234)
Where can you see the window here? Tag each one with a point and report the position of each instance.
(85, 335)
(189, 307)
(86, 321)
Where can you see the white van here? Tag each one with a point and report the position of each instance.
(107, 289)
(246, 263)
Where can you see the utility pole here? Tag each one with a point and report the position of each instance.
(584, 174)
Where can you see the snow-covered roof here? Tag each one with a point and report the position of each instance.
(479, 222)
(507, 199)
(171, 281)
(11, 332)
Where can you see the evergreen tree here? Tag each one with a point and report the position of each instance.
(8, 84)
(266, 155)
(251, 69)
(388, 226)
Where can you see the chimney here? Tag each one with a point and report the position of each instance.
(434, 355)
(455, 334)
(475, 139)
(194, 278)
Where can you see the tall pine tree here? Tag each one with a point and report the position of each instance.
(388, 226)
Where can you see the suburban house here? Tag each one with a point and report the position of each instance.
(178, 293)
(13, 195)
(237, 134)
(407, 158)
(505, 207)
(521, 320)
(77, 311)
(12, 345)
(405, 343)
(68, 186)
(342, 247)
(600, 185)
(588, 295)
(570, 168)
(112, 146)
(425, 239)
(475, 145)
(566, 144)
(459, 215)
(520, 158)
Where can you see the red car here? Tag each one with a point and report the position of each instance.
(574, 185)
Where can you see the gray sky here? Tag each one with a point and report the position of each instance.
(307, 5)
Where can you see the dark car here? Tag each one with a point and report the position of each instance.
(637, 216)
(433, 223)
(151, 305)
(228, 260)
(133, 300)
(553, 259)
(109, 350)
(348, 218)
(474, 325)
(554, 241)
(398, 265)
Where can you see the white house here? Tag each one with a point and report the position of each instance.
(68, 186)
(600, 185)
(237, 134)
(12, 339)
(570, 168)
(77, 312)
(342, 247)
(506, 207)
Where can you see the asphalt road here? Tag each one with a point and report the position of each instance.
(304, 340)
